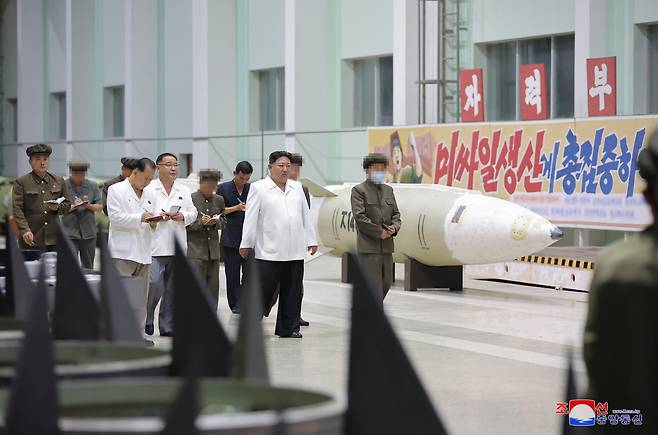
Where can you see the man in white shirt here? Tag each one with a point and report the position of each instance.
(131, 210)
(174, 202)
(278, 228)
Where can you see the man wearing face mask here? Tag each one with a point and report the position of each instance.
(377, 220)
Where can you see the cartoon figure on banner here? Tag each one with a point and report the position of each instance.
(411, 173)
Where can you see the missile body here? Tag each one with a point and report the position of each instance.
(441, 226)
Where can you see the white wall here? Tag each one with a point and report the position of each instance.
(515, 19)
(221, 67)
(177, 98)
(112, 22)
(366, 28)
(56, 27)
(646, 11)
(266, 31)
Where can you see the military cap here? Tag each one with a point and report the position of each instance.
(130, 162)
(373, 159)
(78, 165)
(209, 174)
(296, 159)
(40, 148)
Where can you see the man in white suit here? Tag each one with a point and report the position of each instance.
(277, 227)
(131, 211)
(174, 202)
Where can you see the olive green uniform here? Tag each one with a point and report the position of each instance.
(106, 187)
(80, 223)
(203, 240)
(31, 211)
(621, 332)
(374, 205)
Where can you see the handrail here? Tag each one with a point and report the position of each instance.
(230, 136)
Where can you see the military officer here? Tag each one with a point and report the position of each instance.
(128, 165)
(80, 223)
(621, 331)
(38, 198)
(203, 233)
(377, 220)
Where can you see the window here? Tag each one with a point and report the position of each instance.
(500, 76)
(271, 100)
(652, 34)
(563, 85)
(503, 61)
(58, 115)
(113, 111)
(373, 91)
(13, 120)
(385, 111)
(185, 164)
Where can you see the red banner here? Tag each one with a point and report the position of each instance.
(532, 92)
(602, 86)
(471, 91)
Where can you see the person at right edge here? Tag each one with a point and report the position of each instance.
(621, 331)
(377, 220)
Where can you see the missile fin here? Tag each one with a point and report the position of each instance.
(316, 190)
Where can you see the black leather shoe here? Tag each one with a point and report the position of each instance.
(303, 322)
(166, 333)
(148, 329)
(295, 334)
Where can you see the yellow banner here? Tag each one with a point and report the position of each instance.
(580, 173)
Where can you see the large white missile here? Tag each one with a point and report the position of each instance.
(441, 226)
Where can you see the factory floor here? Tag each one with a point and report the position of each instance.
(493, 358)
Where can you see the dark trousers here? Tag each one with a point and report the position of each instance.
(209, 271)
(288, 277)
(380, 269)
(87, 250)
(233, 263)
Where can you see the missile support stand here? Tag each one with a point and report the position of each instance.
(420, 276)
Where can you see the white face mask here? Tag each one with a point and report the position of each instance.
(378, 177)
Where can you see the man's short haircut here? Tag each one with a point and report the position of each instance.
(297, 159)
(373, 159)
(244, 167)
(143, 163)
(129, 162)
(276, 155)
(163, 155)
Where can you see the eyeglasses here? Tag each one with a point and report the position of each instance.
(169, 165)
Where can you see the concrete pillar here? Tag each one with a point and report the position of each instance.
(289, 71)
(405, 62)
(68, 78)
(199, 84)
(141, 77)
(589, 41)
(30, 78)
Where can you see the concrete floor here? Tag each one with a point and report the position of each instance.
(491, 358)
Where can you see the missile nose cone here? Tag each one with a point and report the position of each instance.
(556, 233)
